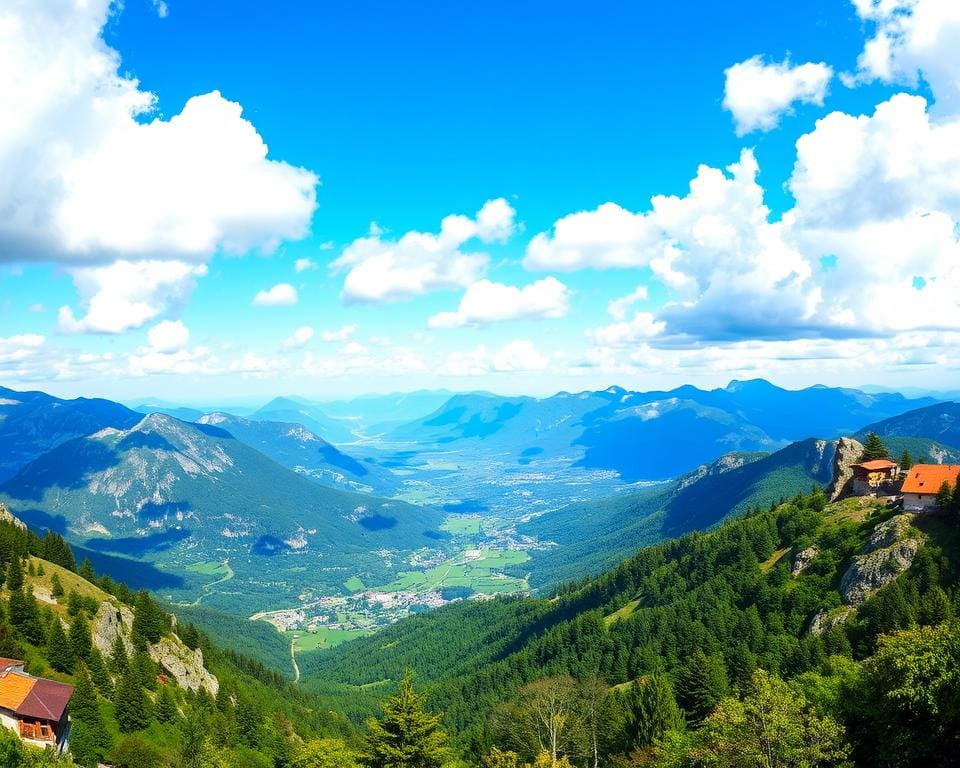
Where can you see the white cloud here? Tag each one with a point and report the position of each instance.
(302, 265)
(914, 38)
(618, 307)
(644, 325)
(758, 93)
(299, 338)
(487, 302)
(147, 361)
(169, 336)
(281, 295)
(90, 174)
(609, 237)
(128, 294)
(343, 333)
(161, 8)
(517, 356)
(380, 270)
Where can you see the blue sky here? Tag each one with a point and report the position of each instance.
(143, 227)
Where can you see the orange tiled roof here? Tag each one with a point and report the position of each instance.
(927, 478)
(14, 688)
(877, 464)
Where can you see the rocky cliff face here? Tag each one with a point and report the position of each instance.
(802, 559)
(887, 553)
(7, 516)
(848, 453)
(184, 665)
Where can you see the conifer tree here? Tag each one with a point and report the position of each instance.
(86, 571)
(25, 615)
(945, 497)
(95, 738)
(906, 461)
(80, 640)
(873, 448)
(99, 673)
(131, 707)
(701, 683)
(653, 710)
(118, 656)
(165, 706)
(56, 587)
(14, 575)
(407, 736)
(59, 652)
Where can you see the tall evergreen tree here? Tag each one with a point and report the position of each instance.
(906, 461)
(701, 683)
(131, 707)
(56, 587)
(86, 571)
(59, 653)
(80, 640)
(14, 575)
(95, 738)
(874, 448)
(653, 710)
(407, 736)
(119, 661)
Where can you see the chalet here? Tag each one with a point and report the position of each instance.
(874, 477)
(33, 707)
(923, 481)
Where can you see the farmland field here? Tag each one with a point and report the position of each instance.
(479, 570)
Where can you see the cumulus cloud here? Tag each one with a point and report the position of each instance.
(298, 338)
(302, 265)
(169, 336)
(487, 302)
(280, 295)
(517, 356)
(127, 294)
(382, 270)
(343, 333)
(90, 174)
(913, 39)
(618, 308)
(758, 93)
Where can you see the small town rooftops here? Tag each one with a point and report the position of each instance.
(927, 478)
(877, 465)
(29, 696)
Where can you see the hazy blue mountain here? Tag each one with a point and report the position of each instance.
(378, 413)
(297, 448)
(940, 422)
(181, 494)
(649, 435)
(31, 423)
(298, 411)
(594, 535)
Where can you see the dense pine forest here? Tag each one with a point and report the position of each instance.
(750, 645)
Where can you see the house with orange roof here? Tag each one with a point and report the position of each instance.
(877, 476)
(33, 707)
(922, 483)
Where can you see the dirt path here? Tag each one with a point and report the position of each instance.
(208, 587)
(293, 659)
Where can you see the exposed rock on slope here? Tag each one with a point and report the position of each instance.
(848, 453)
(888, 553)
(802, 559)
(7, 517)
(184, 665)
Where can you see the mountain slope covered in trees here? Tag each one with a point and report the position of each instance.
(716, 621)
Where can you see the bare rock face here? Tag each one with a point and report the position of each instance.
(802, 559)
(109, 622)
(824, 621)
(848, 453)
(887, 553)
(7, 516)
(184, 665)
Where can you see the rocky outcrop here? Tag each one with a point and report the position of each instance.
(802, 559)
(184, 665)
(848, 453)
(109, 622)
(6, 516)
(824, 621)
(887, 553)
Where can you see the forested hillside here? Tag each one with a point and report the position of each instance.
(815, 614)
(595, 536)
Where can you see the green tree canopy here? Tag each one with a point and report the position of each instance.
(874, 448)
(407, 736)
